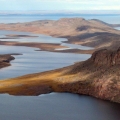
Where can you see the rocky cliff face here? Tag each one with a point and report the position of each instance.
(99, 76)
(106, 57)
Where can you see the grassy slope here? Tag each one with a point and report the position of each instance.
(82, 78)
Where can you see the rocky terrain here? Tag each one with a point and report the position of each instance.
(92, 33)
(5, 59)
(98, 76)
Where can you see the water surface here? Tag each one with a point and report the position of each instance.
(57, 106)
(36, 61)
(54, 106)
(109, 18)
(32, 61)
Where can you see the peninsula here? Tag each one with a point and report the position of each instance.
(97, 76)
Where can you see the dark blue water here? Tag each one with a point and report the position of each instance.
(57, 106)
(113, 18)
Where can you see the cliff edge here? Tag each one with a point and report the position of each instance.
(99, 76)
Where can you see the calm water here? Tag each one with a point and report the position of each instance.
(39, 39)
(36, 61)
(55, 106)
(22, 18)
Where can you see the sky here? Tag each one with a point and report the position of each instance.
(57, 5)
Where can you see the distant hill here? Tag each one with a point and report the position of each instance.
(93, 33)
(98, 76)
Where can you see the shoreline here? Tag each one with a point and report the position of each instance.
(88, 77)
(42, 46)
(93, 33)
(51, 47)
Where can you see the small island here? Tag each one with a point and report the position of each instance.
(5, 60)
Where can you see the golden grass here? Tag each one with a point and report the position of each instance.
(32, 84)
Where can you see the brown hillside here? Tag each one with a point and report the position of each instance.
(98, 76)
(92, 33)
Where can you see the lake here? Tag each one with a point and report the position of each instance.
(57, 106)
(54, 106)
(32, 61)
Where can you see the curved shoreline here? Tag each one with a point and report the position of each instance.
(43, 46)
(91, 33)
(82, 78)
(62, 47)
(88, 78)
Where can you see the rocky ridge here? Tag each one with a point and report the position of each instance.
(103, 73)
(106, 57)
(92, 33)
(98, 76)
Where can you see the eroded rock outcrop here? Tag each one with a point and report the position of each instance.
(101, 76)
(98, 76)
(106, 57)
(5, 59)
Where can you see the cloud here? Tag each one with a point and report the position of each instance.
(70, 1)
(117, 7)
(60, 4)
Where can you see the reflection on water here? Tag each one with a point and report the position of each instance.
(36, 61)
(56, 106)
(39, 38)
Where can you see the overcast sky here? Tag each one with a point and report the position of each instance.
(59, 4)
